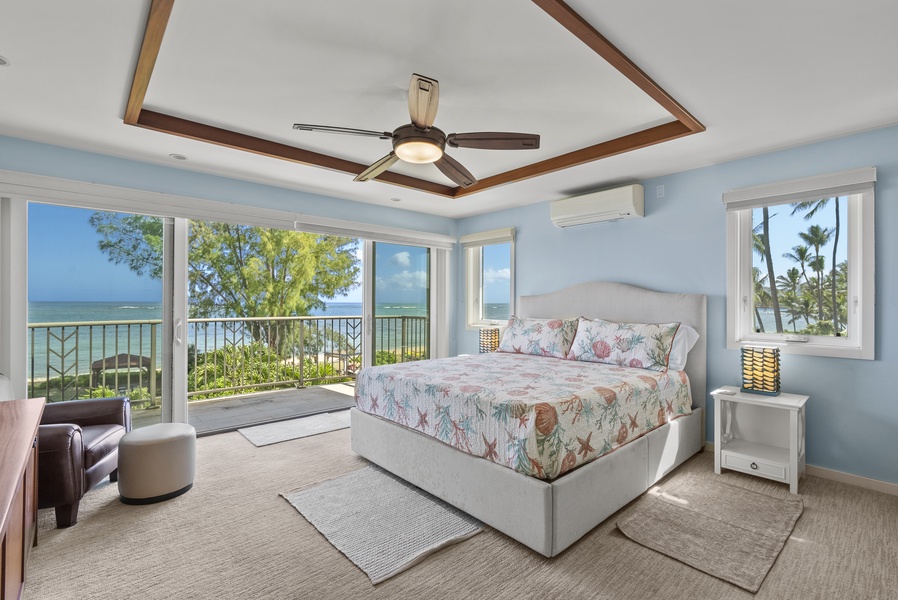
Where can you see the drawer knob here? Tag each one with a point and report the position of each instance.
(754, 466)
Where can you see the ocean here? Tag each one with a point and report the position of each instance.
(91, 343)
(80, 312)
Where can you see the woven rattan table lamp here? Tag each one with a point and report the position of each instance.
(761, 370)
(489, 340)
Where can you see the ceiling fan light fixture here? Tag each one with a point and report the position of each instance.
(419, 152)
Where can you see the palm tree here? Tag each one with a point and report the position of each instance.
(817, 237)
(764, 244)
(801, 255)
(789, 284)
(761, 296)
(812, 206)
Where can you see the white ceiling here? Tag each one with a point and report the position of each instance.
(760, 76)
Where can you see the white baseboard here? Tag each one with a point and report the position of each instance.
(864, 482)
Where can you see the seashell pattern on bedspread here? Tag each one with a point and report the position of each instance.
(537, 415)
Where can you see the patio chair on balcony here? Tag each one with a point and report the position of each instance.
(78, 448)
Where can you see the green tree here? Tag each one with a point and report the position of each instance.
(812, 206)
(817, 237)
(789, 284)
(133, 240)
(238, 270)
(761, 245)
(801, 255)
(762, 296)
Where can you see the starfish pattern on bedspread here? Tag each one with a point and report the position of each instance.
(537, 415)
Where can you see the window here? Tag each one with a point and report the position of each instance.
(800, 265)
(489, 277)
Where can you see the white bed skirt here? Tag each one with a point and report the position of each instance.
(546, 516)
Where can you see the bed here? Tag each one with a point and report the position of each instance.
(559, 499)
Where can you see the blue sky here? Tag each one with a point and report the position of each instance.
(785, 228)
(64, 263)
(496, 274)
(400, 274)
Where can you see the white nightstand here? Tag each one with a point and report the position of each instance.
(760, 435)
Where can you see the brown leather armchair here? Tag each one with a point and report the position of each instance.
(78, 448)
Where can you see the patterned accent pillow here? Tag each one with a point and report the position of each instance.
(543, 337)
(640, 345)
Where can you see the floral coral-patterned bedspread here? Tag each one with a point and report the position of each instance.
(540, 416)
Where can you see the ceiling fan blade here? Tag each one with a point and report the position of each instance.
(494, 140)
(377, 168)
(452, 169)
(423, 99)
(384, 135)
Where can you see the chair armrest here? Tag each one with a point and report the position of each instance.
(94, 411)
(60, 437)
(60, 468)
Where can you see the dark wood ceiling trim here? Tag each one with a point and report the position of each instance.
(633, 141)
(586, 33)
(157, 21)
(160, 13)
(156, 121)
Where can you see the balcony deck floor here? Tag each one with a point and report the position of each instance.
(233, 412)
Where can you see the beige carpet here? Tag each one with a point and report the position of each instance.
(724, 530)
(233, 537)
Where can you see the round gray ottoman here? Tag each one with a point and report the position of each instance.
(156, 463)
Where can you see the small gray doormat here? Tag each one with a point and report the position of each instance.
(272, 433)
(381, 523)
(726, 531)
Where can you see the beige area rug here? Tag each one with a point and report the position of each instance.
(381, 523)
(726, 531)
(273, 433)
(233, 537)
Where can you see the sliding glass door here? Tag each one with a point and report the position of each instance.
(399, 312)
(97, 303)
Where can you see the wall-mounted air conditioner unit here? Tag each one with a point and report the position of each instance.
(608, 205)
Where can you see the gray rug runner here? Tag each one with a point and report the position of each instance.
(726, 531)
(272, 433)
(381, 523)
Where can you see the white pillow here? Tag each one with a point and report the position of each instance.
(682, 344)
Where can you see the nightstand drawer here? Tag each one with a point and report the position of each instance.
(755, 466)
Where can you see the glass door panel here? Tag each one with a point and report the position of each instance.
(400, 329)
(95, 300)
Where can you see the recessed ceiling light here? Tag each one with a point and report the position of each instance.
(396, 199)
(178, 156)
(4, 62)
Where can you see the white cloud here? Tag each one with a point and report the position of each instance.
(494, 275)
(404, 281)
(401, 259)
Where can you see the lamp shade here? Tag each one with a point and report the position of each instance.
(489, 340)
(761, 370)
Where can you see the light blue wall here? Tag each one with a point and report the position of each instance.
(54, 161)
(680, 246)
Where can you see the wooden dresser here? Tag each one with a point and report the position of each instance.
(19, 420)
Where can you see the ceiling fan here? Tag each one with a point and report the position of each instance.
(421, 143)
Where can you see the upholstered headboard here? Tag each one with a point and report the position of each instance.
(627, 303)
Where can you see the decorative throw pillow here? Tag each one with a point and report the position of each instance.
(543, 337)
(640, 345)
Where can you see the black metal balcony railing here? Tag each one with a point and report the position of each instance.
(225, 356)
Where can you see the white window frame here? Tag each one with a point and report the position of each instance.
(16, 189)
(472, 245)
(858, 186)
